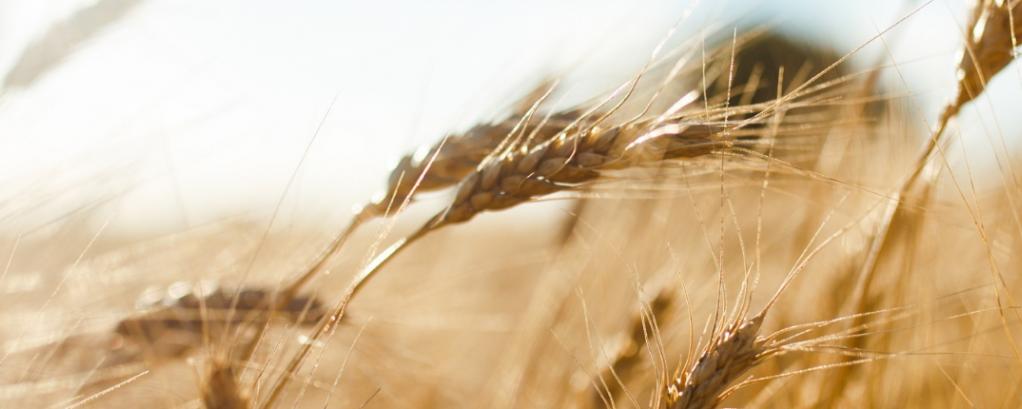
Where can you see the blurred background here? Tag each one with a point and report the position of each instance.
(162, 115)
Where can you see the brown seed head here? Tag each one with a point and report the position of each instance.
(734, 352)
(571, 159)
(995, 30)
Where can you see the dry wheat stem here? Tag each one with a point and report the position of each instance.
(97, 395)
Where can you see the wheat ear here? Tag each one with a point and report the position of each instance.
(440, 166)
(733, 353)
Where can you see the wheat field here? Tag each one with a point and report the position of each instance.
(750, 218)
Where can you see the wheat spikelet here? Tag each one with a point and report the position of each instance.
(734, 352)
(572, 159)
(445, 163)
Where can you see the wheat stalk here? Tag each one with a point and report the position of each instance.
(573, 159)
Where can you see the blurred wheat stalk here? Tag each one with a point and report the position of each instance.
(62, 39)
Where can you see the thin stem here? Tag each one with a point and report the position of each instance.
(869, 267)
(330, 321)
(321, 263)
(287, 295)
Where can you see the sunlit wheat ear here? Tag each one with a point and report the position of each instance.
(990, 45)
(581, 155)
(572, 159)
(994, 34)
(445, 163)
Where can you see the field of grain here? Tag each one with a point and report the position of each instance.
(750, 217)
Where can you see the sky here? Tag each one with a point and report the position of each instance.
(189, 111)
